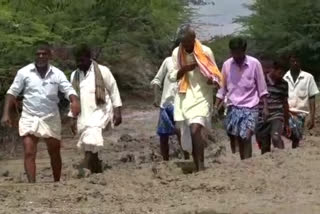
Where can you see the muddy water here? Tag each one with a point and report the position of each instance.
(216, 17)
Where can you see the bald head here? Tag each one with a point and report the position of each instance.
(188, 37)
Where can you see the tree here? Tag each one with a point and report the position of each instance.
(279, 28)
(119, 31)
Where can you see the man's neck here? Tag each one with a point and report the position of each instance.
(295, 74)
(42, 70)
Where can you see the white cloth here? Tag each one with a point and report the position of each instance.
(169, 88)
(48, 126)
(40, 95)
(93, 119)
(184, 126)
(300, 91)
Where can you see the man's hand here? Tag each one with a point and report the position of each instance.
(265, 113)
(156, 102)
(310, 123)
(117, 118)
(188, 68)
(74, 126)
(75, 105)
(215, 114)
(287, 130)
(9, 104)
(157, 98)
(6, 121)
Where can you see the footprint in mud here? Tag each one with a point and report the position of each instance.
(187, 167)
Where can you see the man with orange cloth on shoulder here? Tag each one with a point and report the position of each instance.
(195, 70)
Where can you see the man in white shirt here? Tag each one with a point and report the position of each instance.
(40, 82)
(302, 92)
(166, 124)
(100, 105)
(195, 70)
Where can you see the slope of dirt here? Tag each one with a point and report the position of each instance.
(135, 179)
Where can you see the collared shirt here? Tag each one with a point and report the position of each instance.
(198, 100)
(278, 94)
(169, 88)
(300, 91)
(243, 86)
(40, 94)
(91, 114)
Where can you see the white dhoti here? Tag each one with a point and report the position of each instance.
(184, 126)
(48, 126)
(91, 129)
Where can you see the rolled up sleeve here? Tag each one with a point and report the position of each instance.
(65, 86)
(260, 81)
(17, 85)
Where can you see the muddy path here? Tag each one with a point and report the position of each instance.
(135, 179)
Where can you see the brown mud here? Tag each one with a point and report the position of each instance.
(135, 180)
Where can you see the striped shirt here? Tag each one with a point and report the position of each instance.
(278, 93)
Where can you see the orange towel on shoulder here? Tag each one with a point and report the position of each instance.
(208, 68)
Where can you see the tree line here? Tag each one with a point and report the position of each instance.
(123, 33)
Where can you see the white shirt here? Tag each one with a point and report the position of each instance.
(169, 88)
(300, 91)
(40, 94)
(92, 115)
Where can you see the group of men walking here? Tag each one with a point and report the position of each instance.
(258, 100)
(266, 101)
(95, 103)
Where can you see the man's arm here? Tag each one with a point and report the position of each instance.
(66, 88)
(262, 89)
(9, 103)
(157, 82)
(176, 73)
(185, 69)
(10, 100)
(312, 106)
(112, 88)
(312, 92)
(265, 107)
(286, 117)
(286, 112)
(222, 90)
(156, 95)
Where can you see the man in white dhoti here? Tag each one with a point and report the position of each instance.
(195, 70)
(100, 105)
(39, 83)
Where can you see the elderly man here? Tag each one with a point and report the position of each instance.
(244, 85)
(302, 92)
(195, 69)
(100, 105)
(40, 82)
